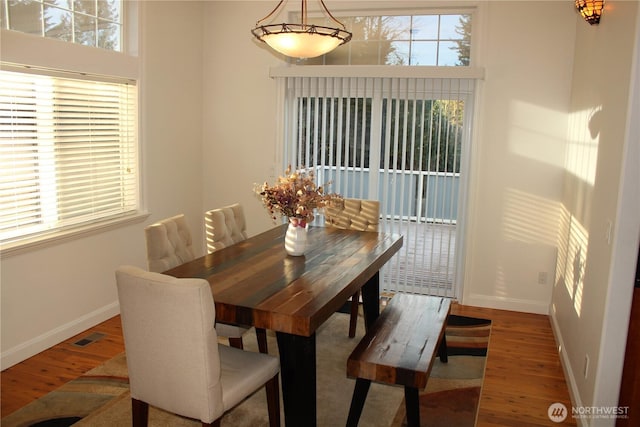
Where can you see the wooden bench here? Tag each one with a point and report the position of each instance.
(399, 349)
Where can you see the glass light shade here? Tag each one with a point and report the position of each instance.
(301, 45)
(301, 41)
(591, 10)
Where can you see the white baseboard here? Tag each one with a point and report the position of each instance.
(34, 346)
(576, 401)
(502, 303)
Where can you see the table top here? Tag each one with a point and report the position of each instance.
(254, 282)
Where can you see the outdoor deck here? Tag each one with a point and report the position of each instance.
(426, 262)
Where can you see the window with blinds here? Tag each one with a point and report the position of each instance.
(68, 153)
(402, 141)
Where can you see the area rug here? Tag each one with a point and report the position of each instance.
(452, 395)
(76, 399)
(101, 397)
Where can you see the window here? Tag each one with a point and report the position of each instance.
(68, 152)
(411, 40)
(68, 119)
(88, 22)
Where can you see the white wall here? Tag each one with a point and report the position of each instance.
(601, 217)
(239, 109)
(517, 175)
(172, 52)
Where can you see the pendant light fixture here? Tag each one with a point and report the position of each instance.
(301, 40)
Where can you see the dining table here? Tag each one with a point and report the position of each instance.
(255, 283)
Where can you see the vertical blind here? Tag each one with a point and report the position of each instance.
(402, 141)
(68, 152)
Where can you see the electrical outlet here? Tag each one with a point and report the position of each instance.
(586, 366)
(542, 278)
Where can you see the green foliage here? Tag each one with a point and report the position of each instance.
(464, 45)
(421, 135)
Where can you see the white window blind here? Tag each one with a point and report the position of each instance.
(402, 141)
(68, 153)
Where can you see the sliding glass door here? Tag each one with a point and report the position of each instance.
(403, 141)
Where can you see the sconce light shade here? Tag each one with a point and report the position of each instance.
(590, 10)
(301, 40)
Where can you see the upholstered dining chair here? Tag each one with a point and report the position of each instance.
(169, 244)
(224, 227)
(174, 360)
(354, 214)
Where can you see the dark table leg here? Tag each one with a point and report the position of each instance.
(442, 350)
(371, 300)
(298, 374)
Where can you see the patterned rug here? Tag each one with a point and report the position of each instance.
(76, 399)
(452, 394)
(101, 396)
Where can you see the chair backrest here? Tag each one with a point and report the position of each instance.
(354, 214)
(170, 342)
(169, 243)
(225, 226)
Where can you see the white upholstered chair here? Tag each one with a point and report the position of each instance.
(354, 214)
(169, 244)
(173, 357)
(224, 227)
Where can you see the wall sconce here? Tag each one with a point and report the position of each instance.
(590, 10)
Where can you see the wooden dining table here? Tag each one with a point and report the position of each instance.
(255, 283)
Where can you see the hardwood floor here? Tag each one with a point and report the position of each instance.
(523, 373)
(50, 369)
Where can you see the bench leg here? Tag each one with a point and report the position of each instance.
(412, 406)
(357, 402)
(442, 350)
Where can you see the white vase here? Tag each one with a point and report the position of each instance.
(295, 241)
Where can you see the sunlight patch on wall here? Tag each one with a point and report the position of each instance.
(501, 283)
(530, 219)
(580, 164)
(572, 254)
(529, 231)
(582, 144)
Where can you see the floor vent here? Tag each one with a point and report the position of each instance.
(89, 339)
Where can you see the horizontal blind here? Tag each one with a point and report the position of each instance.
(68, 152)
(397, 140)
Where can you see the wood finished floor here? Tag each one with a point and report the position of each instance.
(523, 373)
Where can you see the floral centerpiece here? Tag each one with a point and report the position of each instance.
(295, 196)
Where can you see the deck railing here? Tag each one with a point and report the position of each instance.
(423, 207)
(421, 196)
